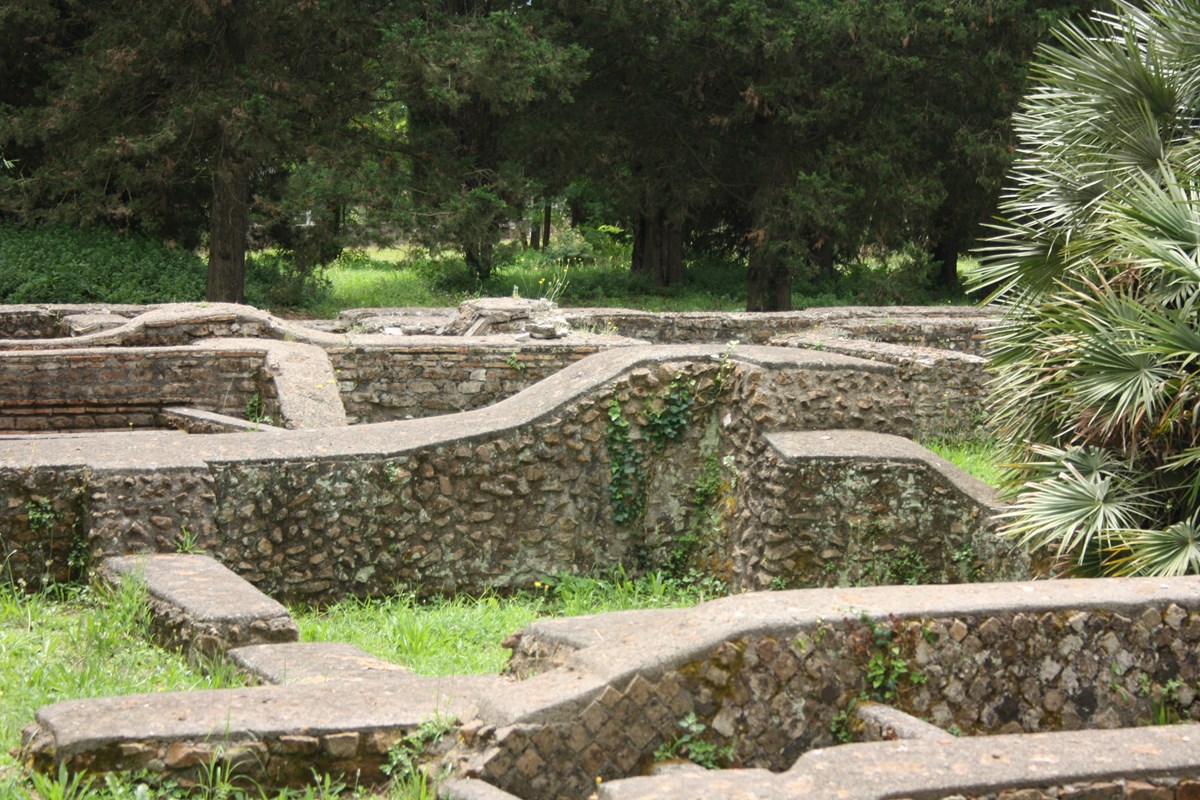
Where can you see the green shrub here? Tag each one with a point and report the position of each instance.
(274, 279)
(1095, 263)
(94, 265)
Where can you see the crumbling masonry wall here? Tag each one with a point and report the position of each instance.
(504, 496)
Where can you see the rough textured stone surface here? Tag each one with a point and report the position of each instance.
(326, 513)
(768, 674)
(876, 722)
(1094, 764)
(310, 662)
(200, 607)
(765, 674)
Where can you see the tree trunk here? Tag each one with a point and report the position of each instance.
(769, 279)
(658, 249)
(945, 256)
(822, 256)
(228, 225)
(535, 237)
(479, 258)
(546, 225)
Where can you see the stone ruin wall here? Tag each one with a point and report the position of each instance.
(126, 388)
(440, 517)
(770, 693)
(864, 521)
(374, 373)
(766, 699)
(381, 384)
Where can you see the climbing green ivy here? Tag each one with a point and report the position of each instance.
(667, 418)
(666, 422)
(626, 482)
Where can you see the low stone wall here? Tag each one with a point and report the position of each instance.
(50, 321)
(764, 685)
(199, 607)
(428, 377)
(947, 389)
(44, 524)
(950, 327)
(393, 376)
(841, 508)
(772, 676)
(319, 515)
(100, 388)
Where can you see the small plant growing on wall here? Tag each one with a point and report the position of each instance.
(691, 745)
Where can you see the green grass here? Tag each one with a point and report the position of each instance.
(405, 276)
(75, 642)
(462, 635)
(979, 457)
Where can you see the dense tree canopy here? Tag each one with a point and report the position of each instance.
(798, 132)
(158, 115)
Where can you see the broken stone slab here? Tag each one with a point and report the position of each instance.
(195, 420)
(495, 315)
(311, 662)
(548, 328)
(82, 324)
(472, 789)
(340, 727)
(201, 607)
(879, 722)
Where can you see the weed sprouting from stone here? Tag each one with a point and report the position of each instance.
(41, 514)
(691, 745)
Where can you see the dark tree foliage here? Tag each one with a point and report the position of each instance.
(467, 71)
(799, 133)
(811, 129)
(159, 113)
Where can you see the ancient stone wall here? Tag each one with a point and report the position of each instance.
(43, 527)
(504, 509)
(951, 327)
(947, 389)
(633, 459)
(124, 388)
(869, 503)
(760, 700)
(409, 380)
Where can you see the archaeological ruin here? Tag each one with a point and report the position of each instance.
(484, 448)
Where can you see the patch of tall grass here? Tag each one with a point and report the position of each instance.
(462, 635)
(979, 456)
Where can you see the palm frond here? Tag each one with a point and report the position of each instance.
(1170, 552)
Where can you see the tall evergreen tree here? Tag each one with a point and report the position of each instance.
(187, 104)
(467, 72)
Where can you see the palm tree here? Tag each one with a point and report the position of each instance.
(1096, 262)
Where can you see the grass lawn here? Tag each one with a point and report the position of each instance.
(979, 457)
(401, 276)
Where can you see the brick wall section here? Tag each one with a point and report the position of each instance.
(381, 384)
(101, 388)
